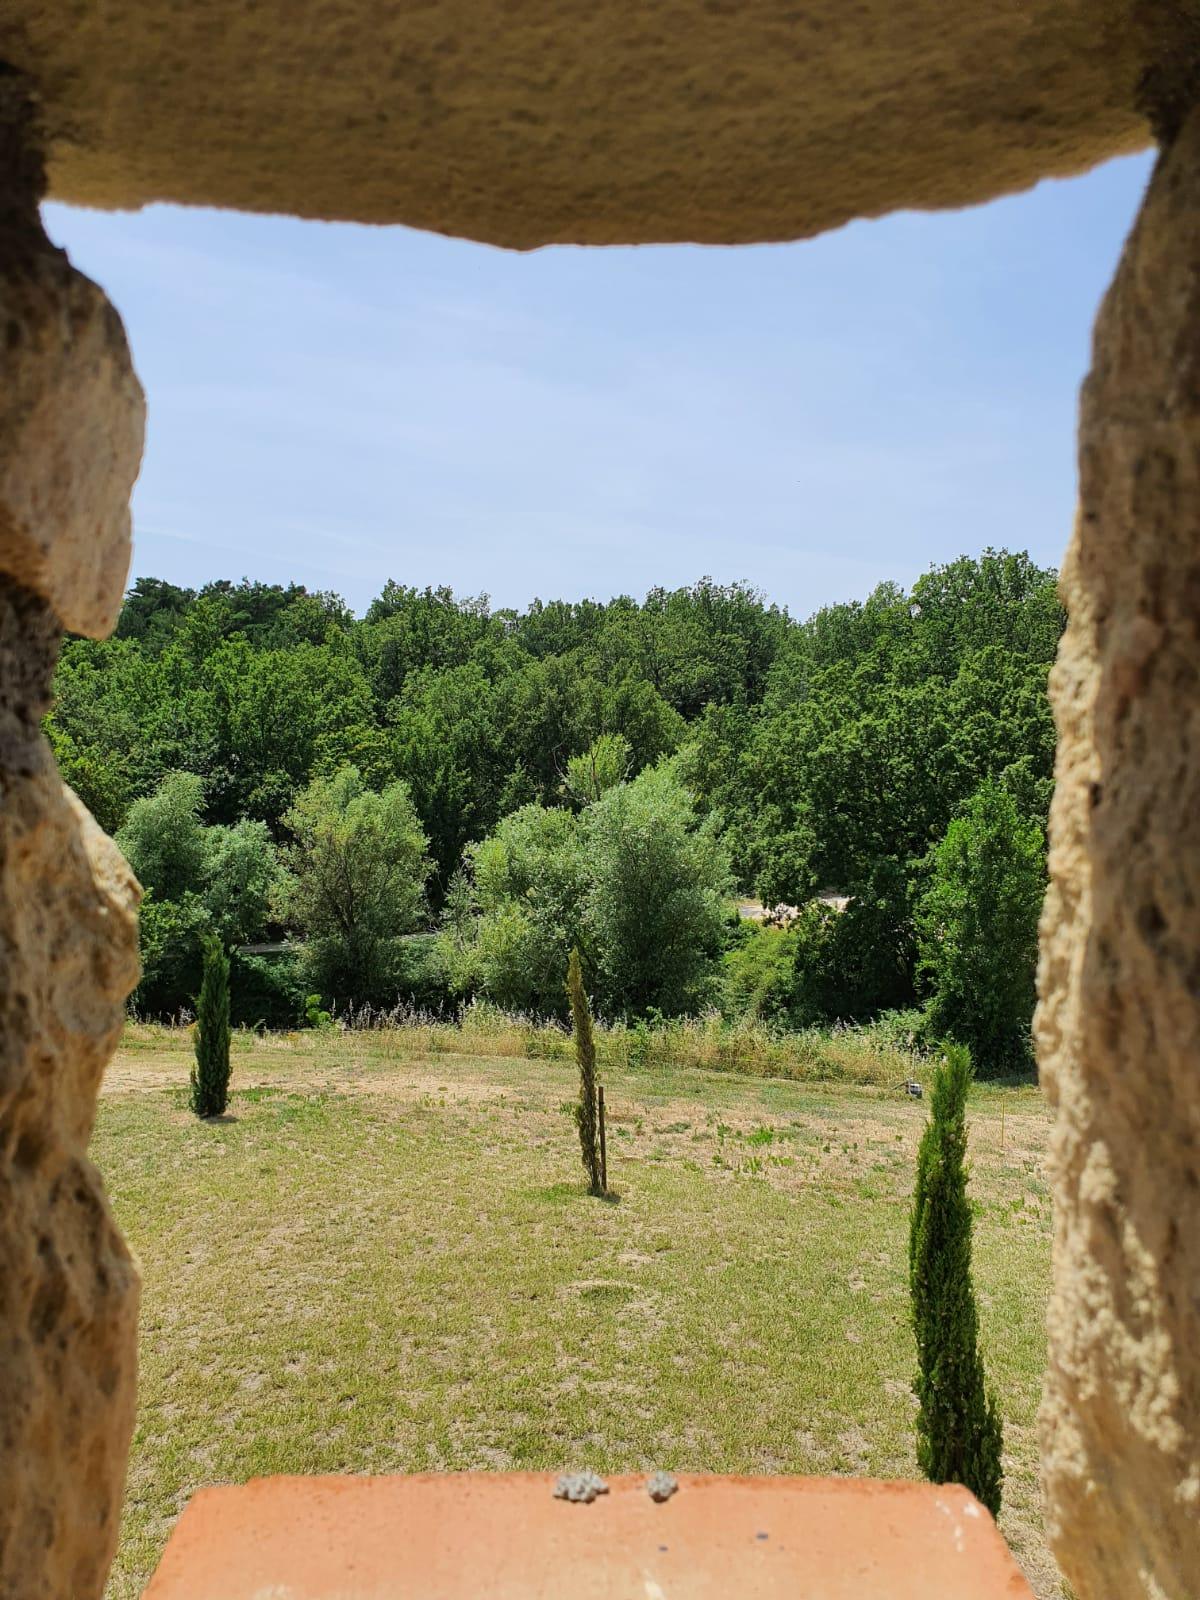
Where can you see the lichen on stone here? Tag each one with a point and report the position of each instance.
(580, 1487)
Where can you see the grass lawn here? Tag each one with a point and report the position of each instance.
(383, 1261)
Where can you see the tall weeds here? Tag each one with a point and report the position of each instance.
(867, 1055)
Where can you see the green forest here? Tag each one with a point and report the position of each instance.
(432, 804)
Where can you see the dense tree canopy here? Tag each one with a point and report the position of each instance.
(878, 720)
(826, 755)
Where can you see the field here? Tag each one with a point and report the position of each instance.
(383, 1260)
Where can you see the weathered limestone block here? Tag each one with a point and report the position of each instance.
(68, 1287)
(528, 122)
(71, 425)
(1119, 1020)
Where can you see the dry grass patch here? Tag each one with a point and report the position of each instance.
(387, 1262)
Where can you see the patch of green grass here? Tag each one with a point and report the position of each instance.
(384, 1263)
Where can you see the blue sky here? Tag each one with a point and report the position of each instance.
(339, 405)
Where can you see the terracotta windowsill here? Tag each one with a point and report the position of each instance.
(505, 1536)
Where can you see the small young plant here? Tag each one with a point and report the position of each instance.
(210, 1075)
(586, 1116)
(958, 1427)
(314, 1015)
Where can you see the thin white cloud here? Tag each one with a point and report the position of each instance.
(345, 404)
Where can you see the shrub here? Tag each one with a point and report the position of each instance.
(210, 1075)
(528, 884)
(421, 979)
(828, 965)
(760, 975)
(315, 1016)
(958, 1427)
(265, 991)
(171, 937)
(586, 1118)
(898, 1030)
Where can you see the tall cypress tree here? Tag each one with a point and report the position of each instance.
(585, 1053)
(958, 1426)
(210, 1075)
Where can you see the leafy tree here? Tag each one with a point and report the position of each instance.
(121, 710)
(879, 720)
(707, 644)
(357, 869)
(716, 766)
(654, 910)
(550, 710)
(637, 880)
(999, 598)
(199, 879)
(859, 772)
(556, 627)
(554, 708)
(171, 936)
(210, 1075)
(100, 778)
(409, 630)
(860, 959)
(241, 877)
(163, 838)
(586, 1114)
(977, 923)
(632, 709)
(958, 1426)
(447, 743)
(152, 610)
(600, 768)
(282, 715)
(271, 616)
(529, 881)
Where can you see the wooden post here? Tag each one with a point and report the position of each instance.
(603, 1142)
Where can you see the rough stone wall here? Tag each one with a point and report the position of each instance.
(529, 122)
(70, 443)
(72, 415)
(71, 424)
(1119, 1019)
